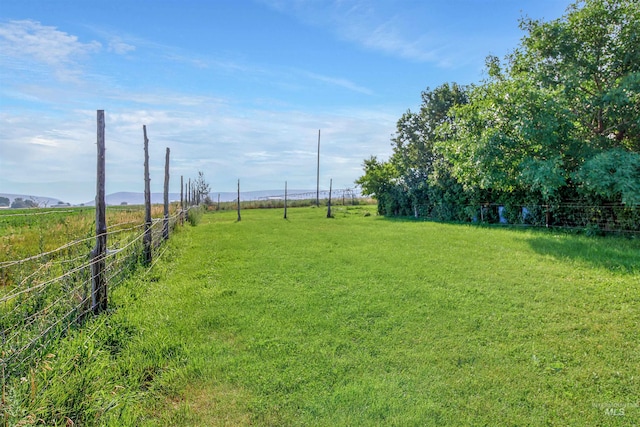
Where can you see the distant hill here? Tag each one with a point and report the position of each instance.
(40, 200)
(131, 198)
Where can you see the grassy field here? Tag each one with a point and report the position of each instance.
(360, 320)
(27, 232)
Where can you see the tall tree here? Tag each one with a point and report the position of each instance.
(592, 55)
(567, 94)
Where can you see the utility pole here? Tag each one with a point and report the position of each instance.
(318, 174)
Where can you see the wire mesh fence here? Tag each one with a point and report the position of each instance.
(49, 293)
(593, 219)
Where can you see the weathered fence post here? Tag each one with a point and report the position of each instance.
(165, 228)
(238, 200)
(181, 200)
(98, 277)
(329, 203)
(218, 208)
(189, 193)
(147, 201)
(285, 200)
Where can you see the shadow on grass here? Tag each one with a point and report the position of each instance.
(614, 253)
(617, 254)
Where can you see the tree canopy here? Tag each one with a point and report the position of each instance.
(558, 119)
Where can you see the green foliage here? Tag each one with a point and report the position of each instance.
(591, 55)
(613, 174)
(378, 180)
(557, 122)
(20, 203)
(194, 215)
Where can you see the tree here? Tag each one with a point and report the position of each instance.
(592, 55)
(200, 188)
(569, 93)
(20, 203)
(378, 180)
(415, 155)
(510, 138)
(613, 174)
(5, 201)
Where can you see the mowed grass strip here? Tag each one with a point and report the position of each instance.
(361, 320)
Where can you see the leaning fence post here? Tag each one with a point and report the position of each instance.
(165, 228)
(146, 240)
(98, 277)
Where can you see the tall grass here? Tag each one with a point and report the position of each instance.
(360, 320)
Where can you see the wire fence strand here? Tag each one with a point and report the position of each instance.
(53, 294)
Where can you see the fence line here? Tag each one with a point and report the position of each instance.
(594, 219)
(56, 296)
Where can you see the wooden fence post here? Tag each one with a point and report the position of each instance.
(318, 174)
(285, 200)
(98, 277)
(147, 201)
(181, 200)
(239, 201)
(329, 203)
(165, 228)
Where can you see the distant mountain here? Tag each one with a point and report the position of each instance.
(131, 198)
(40, 200)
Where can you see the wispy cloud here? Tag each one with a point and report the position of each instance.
(117, 45)
(388, 37)
(381, 26)
(30, 41)
(335, 81)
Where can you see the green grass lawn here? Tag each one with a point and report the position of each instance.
(361, 320)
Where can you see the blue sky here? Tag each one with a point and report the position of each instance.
(237, 89)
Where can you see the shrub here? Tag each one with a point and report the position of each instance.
(194, 215)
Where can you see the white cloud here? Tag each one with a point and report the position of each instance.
(56, 156)
(28, 41)
(116, 45)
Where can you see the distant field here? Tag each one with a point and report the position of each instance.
(362, 320)
(28, 232)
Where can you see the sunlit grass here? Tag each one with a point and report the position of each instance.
(367, 321)
(361, 320)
